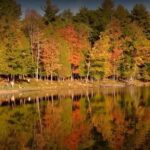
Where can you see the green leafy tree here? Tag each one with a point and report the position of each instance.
(135, 54)
(3, 62)
(100, 56)
(15, 56)
(17, 52)
(64, 53)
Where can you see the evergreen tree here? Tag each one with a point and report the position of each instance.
(50, 12)
(107, 11)
(89, 17)
(101, 18)
(10, 11)
(66, 15)
(122, 14)
(83, 15)
(141, 16)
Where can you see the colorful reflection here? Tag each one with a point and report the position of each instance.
(110, 119)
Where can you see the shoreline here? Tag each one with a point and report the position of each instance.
(67, 85)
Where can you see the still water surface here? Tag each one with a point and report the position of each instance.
(104, 119)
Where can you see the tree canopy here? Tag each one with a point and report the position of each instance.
(107, 42)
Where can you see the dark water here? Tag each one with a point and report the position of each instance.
(104, 119)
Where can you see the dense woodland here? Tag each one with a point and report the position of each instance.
(108, 42)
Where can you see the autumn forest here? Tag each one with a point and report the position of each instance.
(109, 42)
(74, 79)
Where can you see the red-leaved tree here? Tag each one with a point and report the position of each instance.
(75, 45)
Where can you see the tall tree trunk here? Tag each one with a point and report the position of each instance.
(47, 77)
(51, 77)
(72, 77)
(31, 44)
(12, 83)
(114, 72)
(38, 57)
(88, 72)
(52, 101)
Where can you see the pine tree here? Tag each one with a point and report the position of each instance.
(141, 16)
(122, 14)
(107, 11)
(66, 15)
(50, 12)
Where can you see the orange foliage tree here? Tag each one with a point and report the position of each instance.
(76, 46)
(50, 57)
(115, 34)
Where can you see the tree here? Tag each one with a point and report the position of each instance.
(32, 23)
(3, 62)
(33, 28)
(66, 15)
(87, 64)
(122, 14)
(135, 53)
(107, 10)
(142, 52)
(64, 53)
(90, 18)
(107, 51)
(14, 48)
(141, 16)
(114, 32)
(102, 43)
(72, 37)
(50, 12)
(83, 16)
(105, 13)
(50, 57)
(17, 52)
(10, 11)
(100, 56)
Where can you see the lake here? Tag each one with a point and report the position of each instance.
(101, 119)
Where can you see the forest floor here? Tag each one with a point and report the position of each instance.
(34, 85)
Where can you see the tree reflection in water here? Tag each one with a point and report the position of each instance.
(117, 119)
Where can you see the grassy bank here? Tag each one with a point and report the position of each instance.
(33, 85)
